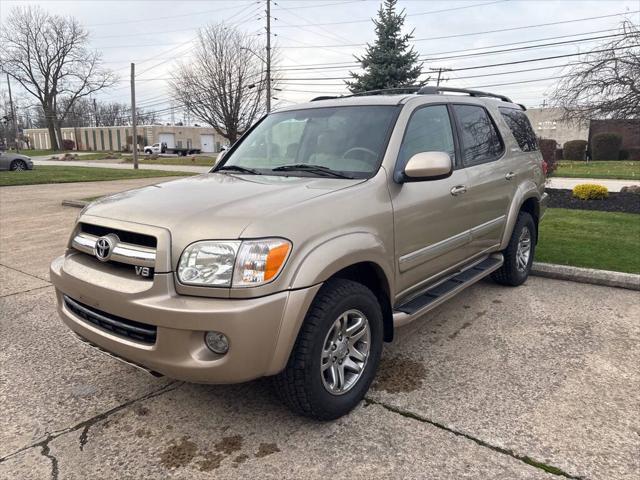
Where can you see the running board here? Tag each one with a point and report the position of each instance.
(445, 289)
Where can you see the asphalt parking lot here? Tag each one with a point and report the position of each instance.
(540, 381)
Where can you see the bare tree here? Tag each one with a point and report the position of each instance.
(146, 117)
(606, 82)
(50, 57)
(224, 84)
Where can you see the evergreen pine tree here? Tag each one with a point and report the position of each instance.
(390, 62)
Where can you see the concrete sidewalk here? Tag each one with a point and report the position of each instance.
(535, 382)
(569, 183)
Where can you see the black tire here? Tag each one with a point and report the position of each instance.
(148, 152)
(18, 165)
(510, 273)
(300, 385)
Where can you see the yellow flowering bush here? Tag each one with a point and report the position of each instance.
(590, 191)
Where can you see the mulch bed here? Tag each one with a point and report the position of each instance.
(616, 202)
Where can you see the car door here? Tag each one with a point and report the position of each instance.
(489, 174)
(4, 161)
(431, 218)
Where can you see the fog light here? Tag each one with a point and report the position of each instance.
(217, 342)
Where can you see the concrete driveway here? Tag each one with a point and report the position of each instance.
(536, 382)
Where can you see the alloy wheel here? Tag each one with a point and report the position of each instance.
(345, 352)
(524, 250)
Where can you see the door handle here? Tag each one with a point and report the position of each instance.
(509, 175)
(458, 190)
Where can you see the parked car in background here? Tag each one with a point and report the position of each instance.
(15, 161)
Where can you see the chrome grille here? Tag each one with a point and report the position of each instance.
(122, 251)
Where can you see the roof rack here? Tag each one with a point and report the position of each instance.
(430, 90)
(381, 91)
(426, 90)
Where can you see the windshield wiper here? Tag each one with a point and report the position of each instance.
(305, 167)
(238, 168)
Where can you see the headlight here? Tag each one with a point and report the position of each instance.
(260, 261)
(233, 263)
(208, 263)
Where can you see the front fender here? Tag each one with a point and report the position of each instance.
(313, 268)
(330, 256)
(525, 191)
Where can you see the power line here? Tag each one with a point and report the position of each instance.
(469, 55)
(510, 29)
(171, 17)
(408, 14)
(351, 63)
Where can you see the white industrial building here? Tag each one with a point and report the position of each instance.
(118, 139)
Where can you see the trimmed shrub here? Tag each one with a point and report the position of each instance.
(68, 144)
(606, 146)
(590, 191)
(574, 149)
(559, 154)
(548, 150)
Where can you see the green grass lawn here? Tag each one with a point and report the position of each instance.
(591, 239)
(52, 174)
(624, 170)
(201, 161)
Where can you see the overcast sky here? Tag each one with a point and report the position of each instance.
(157, 33)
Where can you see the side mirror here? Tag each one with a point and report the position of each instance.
(428, 166)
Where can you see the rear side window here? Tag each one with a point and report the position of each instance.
(429, 130)
(521, 128)
(479, 136)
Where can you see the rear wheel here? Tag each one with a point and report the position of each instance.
(18, 165)
(518, 256)
(336, 354)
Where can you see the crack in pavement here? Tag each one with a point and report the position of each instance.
(523, 458)
(26, 291)
(85, 425)
(24, 273)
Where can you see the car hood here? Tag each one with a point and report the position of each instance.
(213, 205)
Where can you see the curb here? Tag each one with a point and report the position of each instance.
(606, 278)
(74, 203)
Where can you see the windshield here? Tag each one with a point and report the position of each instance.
(318, 141)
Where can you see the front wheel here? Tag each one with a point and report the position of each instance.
(18, 166)
(518, 256)
(336, 354)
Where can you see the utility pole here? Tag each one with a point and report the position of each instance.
(268, 56)
(133, 116)
(439, 70)
(95, 112)
(13, 117)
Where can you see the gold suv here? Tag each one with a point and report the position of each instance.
(323, 229)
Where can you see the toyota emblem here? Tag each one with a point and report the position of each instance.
(104, 247)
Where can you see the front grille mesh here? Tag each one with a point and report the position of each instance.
(140, 332)
(124, 236)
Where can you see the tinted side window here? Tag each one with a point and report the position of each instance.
(479, 136)
(521, 128)
(429, 130)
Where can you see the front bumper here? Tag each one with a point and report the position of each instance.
(261, 331)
